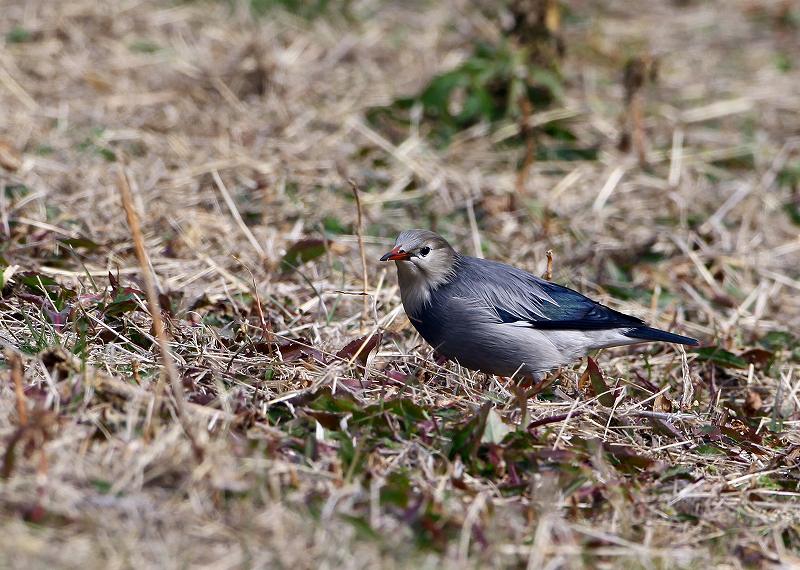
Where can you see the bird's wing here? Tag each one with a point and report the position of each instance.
(515, 296)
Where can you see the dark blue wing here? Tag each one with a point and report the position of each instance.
(516, 296)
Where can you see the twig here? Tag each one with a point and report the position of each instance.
(266, 330)
(688, 388)
(662, 415)
(473, 227)
(364, 277)
(527, 133)
(16, 377)
(236, 216)
(552, 419)
(608, 188)
(155, 309)
(17, 90)
(548, 273)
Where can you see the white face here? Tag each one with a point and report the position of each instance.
(429, 256)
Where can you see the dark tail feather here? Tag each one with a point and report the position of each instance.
(648, 333)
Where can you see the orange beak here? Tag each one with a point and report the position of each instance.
(396, 254)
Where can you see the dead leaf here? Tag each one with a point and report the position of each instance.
(592, 382)
(662, 403)
(360, 348)
(758, 356)
(400, 324)
(300, 349)
(9, 157)
(752, 403)
(97, 82)
(665, 427)
(584, 382)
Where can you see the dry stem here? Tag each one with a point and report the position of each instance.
(364, 277)
(155, 309)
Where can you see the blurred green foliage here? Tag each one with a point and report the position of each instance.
(506, 79)
(492, 84)
(307, 9)
(18, 35)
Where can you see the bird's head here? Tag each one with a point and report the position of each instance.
(423, 258)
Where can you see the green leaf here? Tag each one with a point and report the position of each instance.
(18, 35)
(777, 340)
(548, 79)
(720, 357)
(478, 106)
(301, 252)
(397, 490)
(80, 243)
(567, 153)
(793, 211)
(334, 225)
(465, 440)
(144, 46)
(326, 402)
(102, 486)
(107, 154)
(16, 191)
(495, 430)
(708, 449)
(436, 96)
(406, 409)
(123, 302)
(36, 281)
(361, 526)
(677, 472)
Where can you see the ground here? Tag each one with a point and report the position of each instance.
(664, 176)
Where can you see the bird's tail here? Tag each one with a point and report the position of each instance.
(651, 334)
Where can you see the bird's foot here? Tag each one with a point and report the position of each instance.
(528, 387)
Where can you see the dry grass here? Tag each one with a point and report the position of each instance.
(239, 135)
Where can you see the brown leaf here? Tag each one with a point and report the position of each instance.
(645, 383)
(758, 356)
(302, 251)
(360, 348)
(596, 384)
(97, 82)
(59, 318)
(662, 403)
(9, 157)
(300, 349)
(396, 375)
(584, 382)
(627, 459)
(665, 427)
(752, 403)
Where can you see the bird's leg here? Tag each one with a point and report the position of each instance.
(528, 387)
(521, 395)
(538, 384)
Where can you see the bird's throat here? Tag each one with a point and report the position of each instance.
(415, 289)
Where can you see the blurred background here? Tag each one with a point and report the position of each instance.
(652, 147)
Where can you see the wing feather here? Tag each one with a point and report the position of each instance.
(517, 297)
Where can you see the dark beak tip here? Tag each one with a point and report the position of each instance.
(386, 256)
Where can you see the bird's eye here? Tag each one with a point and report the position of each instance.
(423, 251)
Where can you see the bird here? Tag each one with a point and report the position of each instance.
(498, 319)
